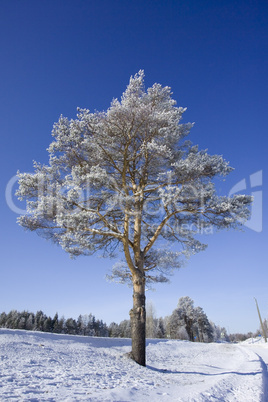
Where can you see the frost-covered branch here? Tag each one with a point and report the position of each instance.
(127, 179)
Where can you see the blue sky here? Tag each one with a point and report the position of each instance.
(57, 55)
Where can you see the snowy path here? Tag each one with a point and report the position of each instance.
(38, 366)
(261, 349)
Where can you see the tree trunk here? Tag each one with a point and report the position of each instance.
(138, 321)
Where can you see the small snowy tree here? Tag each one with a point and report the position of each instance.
(160, 331)
(150, 320)
(127, 180)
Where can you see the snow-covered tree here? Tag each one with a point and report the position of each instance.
(183, 319)
(127, 180)
(82, 322)
(91, 325)
(29, 322)
(204, 328)
(219, 333)
(70, 326)
(55, 324)
(22, 322)
(48, 327)
(114, 330)
(150, 320)
(3, 318)
(125, 329)
(39, 320)
(160, 331)
(189, 322)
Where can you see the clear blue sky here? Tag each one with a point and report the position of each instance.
(60, 54)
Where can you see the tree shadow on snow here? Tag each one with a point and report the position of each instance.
(164, 371)
(264, 374)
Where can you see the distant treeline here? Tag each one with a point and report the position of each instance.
(84, 325)
(186, 322)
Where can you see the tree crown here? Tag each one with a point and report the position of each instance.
(129, 178)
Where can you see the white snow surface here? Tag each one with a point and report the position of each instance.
(36, 366)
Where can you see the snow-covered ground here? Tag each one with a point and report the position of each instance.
(37, 366)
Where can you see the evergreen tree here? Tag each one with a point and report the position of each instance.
(29, 322)
(70, 326)
(48, 325)
(3, 319)
(91, 325)
(55, 324)
(205, 330)
(12, 319)
(39, 320)
(114, 330)
(186, 316)
(21, 323)
(80, 327)
(125, 329)
(128, 177)
(160, 328)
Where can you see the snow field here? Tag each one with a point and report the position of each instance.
(37, 366)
